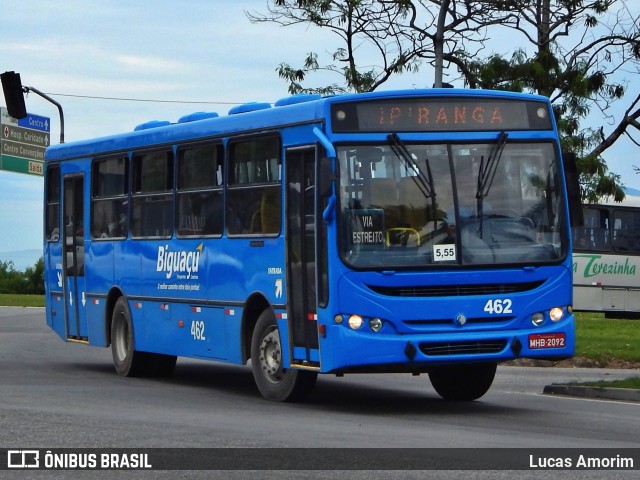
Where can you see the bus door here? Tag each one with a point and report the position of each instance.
(301, 256)
(73, 258)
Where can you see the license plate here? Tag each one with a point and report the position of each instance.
(546, 340)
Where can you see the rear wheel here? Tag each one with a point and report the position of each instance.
(127, 361)
(463, 382)
(274, 381)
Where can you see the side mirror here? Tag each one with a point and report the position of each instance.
(326, 188)
(571, 177)
(13, 94)
(325, 177)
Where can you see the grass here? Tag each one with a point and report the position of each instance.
(14, 300)
(605, 339)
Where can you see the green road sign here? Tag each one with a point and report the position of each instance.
(23, 142)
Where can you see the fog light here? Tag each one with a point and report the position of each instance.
(556, 314)
(338, 319)
(375, 324)
(355, 322)
(537, 319)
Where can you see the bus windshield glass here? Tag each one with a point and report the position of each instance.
(427, 205)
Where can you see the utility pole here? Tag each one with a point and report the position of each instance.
(439, 43)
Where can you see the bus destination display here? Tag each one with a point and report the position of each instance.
(440, 114)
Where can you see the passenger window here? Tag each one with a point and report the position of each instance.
(152, 195)
(109, 199)
(626, 231)
(53, 204)
(255, 189)
(200, 181)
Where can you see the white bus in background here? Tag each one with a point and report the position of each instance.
(606, 260)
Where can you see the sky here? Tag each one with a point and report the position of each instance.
(202, 51)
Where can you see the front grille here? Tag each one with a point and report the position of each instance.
(456, 290)
(462, 348)
(449, 321)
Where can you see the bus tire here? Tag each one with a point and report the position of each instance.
(127, 361)
(273, 381)
(463, 382)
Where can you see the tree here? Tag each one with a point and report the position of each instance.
(34, 277)
(356, 23)
(573, 58)
(575, 48)
(388, 36)
(11, 281)
(31, 281)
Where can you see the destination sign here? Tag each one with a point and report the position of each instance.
(23, 143)
(440, 114)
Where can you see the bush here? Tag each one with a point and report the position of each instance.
(31, 281)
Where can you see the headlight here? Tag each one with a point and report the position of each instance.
(355, 322)
(537, 319)
(556, 314)
(375, 324)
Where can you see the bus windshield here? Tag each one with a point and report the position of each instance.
(417, 205)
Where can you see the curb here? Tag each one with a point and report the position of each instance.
(623, 394)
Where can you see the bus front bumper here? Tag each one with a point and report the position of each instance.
(355, 350)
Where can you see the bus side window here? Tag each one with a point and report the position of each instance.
(254, 191)
(53, 204)
(199, 195)
(594, 234)
(626, 225)
(152, 197)
(109, 198)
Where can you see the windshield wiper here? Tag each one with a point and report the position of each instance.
(487, 173)
(423, 182)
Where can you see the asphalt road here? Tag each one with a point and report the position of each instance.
(55, 394)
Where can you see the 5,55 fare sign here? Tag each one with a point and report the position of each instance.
(23, 142)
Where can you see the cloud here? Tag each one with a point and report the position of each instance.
(155, 64)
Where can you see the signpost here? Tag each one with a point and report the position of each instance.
(23, 142)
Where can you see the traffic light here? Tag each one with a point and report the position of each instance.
(13, 94)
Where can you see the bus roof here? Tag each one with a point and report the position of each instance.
(296, 109)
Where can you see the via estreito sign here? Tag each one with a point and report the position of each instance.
(23, 142)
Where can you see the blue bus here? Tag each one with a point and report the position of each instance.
(418, 231)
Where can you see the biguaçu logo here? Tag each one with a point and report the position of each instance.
(180, 262)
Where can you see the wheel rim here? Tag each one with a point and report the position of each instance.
(271, 356)
(121, 339)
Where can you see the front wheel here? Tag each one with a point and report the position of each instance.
(275, 382)
(463, 382)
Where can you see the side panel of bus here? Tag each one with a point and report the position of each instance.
(191, 296)
(606, 260)
(606, 282)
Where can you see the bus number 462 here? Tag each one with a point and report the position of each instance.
(498, 306)
(197, 330)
